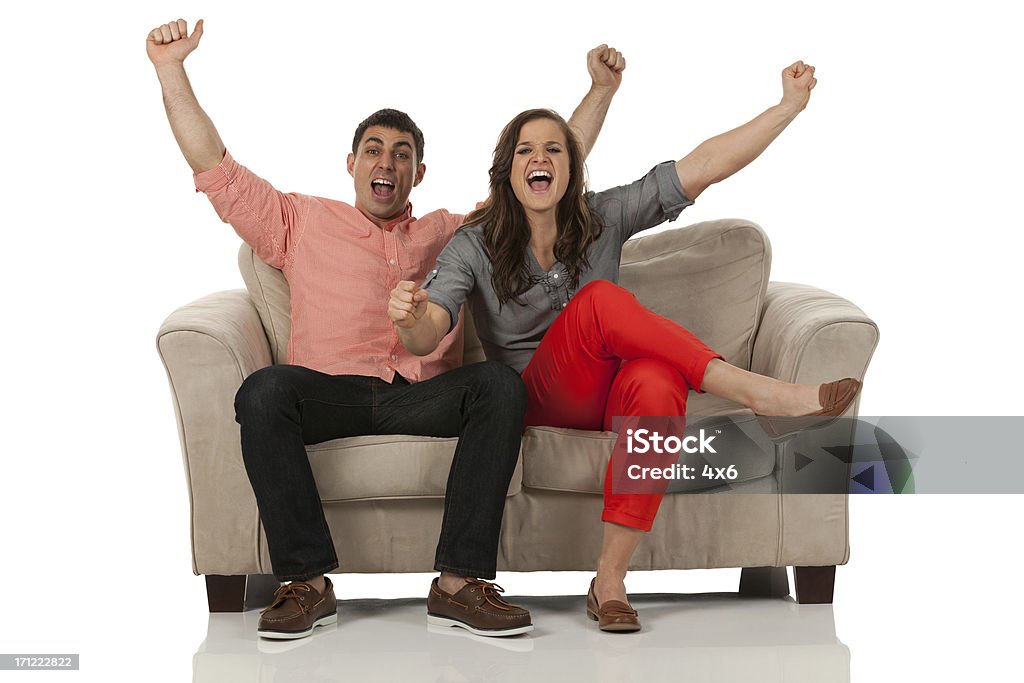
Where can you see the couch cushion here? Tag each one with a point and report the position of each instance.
(710, 277)
(557, 459)
(271, 296)
(379, 467)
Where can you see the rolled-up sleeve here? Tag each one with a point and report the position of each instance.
(642, 204)
(268, 220)
(453, 276)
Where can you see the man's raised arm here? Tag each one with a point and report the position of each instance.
(605, 65)
(167, 47)
(719, 157)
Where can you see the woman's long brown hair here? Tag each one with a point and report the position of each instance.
(506, 230)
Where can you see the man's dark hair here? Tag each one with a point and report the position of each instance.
(396, 120)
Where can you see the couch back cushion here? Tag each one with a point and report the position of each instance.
(710, 277)
(271, 296)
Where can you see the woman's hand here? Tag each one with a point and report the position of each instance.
(408, 304)
(606, 65)
(797, 82)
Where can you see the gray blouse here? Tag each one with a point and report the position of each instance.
(511, 333)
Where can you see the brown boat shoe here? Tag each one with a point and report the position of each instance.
(835, 398)
(613, 615)
(479, 608)
(297, 609)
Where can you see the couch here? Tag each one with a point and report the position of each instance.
(382, 495)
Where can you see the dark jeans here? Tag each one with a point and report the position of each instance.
(282, 408)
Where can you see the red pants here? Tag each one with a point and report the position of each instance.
(606, 355)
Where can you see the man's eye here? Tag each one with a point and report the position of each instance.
(371, 152)
(402, 155)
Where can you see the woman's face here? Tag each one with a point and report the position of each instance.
(540, 166)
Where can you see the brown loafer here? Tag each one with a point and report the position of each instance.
(297, 609)
(479, 608)
(613, 615)
(835, 398)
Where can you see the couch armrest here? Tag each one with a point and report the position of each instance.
(227, 318)
(208, 347)
(809, 335)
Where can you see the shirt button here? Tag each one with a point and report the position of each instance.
(391, 261)
(556, 276)
(394, 357)
(434, 271)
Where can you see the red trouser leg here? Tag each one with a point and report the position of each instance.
(572, 377)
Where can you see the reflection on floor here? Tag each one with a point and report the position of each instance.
(707, 637)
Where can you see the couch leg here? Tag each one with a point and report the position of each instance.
(225, 593)
(814, 585)
(239, 593)
(764, 582)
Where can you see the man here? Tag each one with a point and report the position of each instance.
(347, 374)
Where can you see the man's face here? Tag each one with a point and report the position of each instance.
(385, 170)
(540, 166)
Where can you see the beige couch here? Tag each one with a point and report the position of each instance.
(712, 277)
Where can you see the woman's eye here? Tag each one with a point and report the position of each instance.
(524, 150)
(554, 150)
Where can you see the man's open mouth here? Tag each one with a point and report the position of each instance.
(539, 181)
(382, 188)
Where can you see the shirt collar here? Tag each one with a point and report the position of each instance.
(406, 216)
(366, 227)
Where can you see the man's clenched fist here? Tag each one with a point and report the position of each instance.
(171, 43)
(797, 82)
(408, 304)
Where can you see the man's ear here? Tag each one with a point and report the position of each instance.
(420, 170)
(351, 164)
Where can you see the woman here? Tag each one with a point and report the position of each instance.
(538, 262)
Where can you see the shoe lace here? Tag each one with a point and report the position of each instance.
(289, 591)
(491, 592)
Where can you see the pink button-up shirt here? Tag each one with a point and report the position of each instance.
(340, 268)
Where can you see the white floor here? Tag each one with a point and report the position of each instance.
(706, 637)
(929, 594)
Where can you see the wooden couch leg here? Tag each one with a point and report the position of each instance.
(814, 585)
(764, 582)
(225, 593)
(239, 592)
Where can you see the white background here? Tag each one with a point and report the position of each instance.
(897, 188)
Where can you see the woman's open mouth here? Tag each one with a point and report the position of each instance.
(539, 181)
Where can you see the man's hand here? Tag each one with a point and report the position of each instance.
(797, 82)
(605, 65)
(171, 43)
(408, 304)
